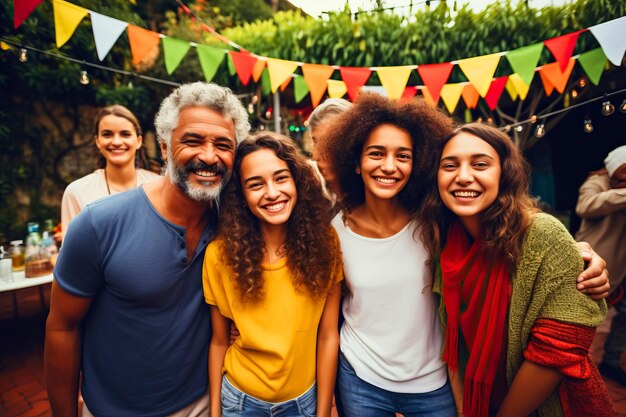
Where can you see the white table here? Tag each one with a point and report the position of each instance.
(20, 281)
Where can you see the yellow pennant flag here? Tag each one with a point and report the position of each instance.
(450, 94)
(5, 46)
(67, 16)
(394, 79)
(280, 71)
(336, 88)
(520, 86)
(479, 71)
(510, 88)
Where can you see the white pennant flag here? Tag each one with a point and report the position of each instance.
(611, 36)
(106, 31)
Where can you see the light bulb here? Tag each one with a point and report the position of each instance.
(540, 130)
(519, 128)
(607, 108)
(574, 93)
(130, 84)
(587, 126)
(84, 78)
(23, 55)
(582, 82)
(622, 107)
(250, 108)
(255, 99)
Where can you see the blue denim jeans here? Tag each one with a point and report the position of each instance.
(362, 399)
(239, 404)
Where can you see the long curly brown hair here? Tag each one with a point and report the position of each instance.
(505, 222)
(311, 247)
(342, 143)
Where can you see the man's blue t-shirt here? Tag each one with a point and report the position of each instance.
(146, 336)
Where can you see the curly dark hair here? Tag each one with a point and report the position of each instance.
(342, 143)
(504, 222)
(312, 248)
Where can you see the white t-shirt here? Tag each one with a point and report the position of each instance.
(391, 335)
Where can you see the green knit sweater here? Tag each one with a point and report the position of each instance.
(544, 286)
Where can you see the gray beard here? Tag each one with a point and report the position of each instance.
(180, 177)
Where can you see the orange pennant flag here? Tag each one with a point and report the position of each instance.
(557, 77)
(67, 16)
(470, 96)
(257, 70)
(284, 85)
(562, 48)
(336, 88)
(450, 94)
(243, 63)
(315, 77)
(435, 76)
(280, 71)
(142, 42)
(394, 79)
(427, 96)
(479, 71)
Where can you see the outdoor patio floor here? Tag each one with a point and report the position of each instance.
(22, 391)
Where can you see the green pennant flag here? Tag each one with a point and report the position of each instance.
(174, 50)
(266, 85)
(524, 61)
(231, 66)
(593, 63)
(210, 60)
(300, 89)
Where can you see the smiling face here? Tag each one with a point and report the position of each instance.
(200, 158)
(117, 140)
(386, 162)
(468, 178)
(268, 187)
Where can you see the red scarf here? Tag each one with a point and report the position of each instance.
(475, 294)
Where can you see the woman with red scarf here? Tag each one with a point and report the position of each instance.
(517, 333)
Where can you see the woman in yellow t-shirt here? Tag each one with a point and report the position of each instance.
(274, 270)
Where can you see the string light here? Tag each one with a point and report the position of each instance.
(23, 55)
(622, 107)
(540, 130)
(588, 126)
(574, 93)
(607, 108)
(84, 78)
(519, 128)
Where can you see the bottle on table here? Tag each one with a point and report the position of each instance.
(17, 255)
(6, 273)
(37, 258)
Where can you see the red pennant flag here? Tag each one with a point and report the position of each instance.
(244, 64)
(495, 91)
(435, 76)
(562, 47)
(409, 92)
(22, 9)
(355, 78)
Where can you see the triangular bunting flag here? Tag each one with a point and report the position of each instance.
(610, 36)
(524, 61)
(409, 92)
(450, 94)
(300, 89)
(257, 70)
(22, 9)
(243, 63)
(336, 88)
(355, 78)
(470, 96)
(142, 41)
(521, 88)
(435, 76)
(547, 84)
(479, 71)
(280, 71)
(557, 78)
(316, 77)
(230, 65)
(67, 16)
(510, 88)
(394, 79)
(210, 60)
(284, 85)
(106, 31)
(266, 86)
(427, 96)
(562, 48)
(495, 92)
(593, 63)
(174, 50)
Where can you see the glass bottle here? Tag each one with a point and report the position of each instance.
(17, 255)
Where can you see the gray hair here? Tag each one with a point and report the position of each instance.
(330, 107)
(213, 96)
